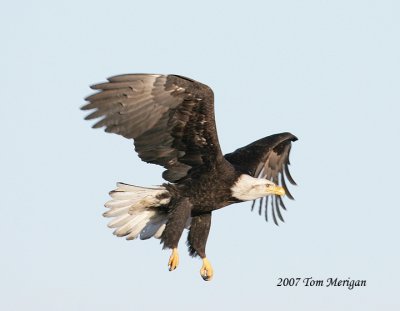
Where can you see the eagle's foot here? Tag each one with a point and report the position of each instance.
(206, 270)
(173, 260)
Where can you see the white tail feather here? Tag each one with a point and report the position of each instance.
(151, 229)
(136, 211)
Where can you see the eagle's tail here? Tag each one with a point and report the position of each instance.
(138, 211)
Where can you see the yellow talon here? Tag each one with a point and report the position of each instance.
(173, 260)
(206, 270)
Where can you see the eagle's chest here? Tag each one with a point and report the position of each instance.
(210, 192)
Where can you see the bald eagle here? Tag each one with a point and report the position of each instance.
(171, 121)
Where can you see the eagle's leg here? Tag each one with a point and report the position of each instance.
(173, 260)
(197, 240)
(177, 219)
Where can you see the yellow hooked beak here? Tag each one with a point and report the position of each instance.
(278, 190)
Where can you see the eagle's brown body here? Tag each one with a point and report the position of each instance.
(197, 197)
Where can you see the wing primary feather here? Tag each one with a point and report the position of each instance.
(266, 208)
(278, 211)
(289, 177)
(252, 205)
(287, 192)
(132, 77)
(260, 206)
(281, 203)
(273, 212)
(100, 123)
(115, 85)
(111, 93)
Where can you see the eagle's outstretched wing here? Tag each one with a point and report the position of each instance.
(267, 158)
(170, 118)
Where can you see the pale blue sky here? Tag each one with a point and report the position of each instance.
(327, 71)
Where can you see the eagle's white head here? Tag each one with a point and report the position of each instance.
(248, 188)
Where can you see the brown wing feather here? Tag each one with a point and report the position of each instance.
(170, 118)
(267, 158)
